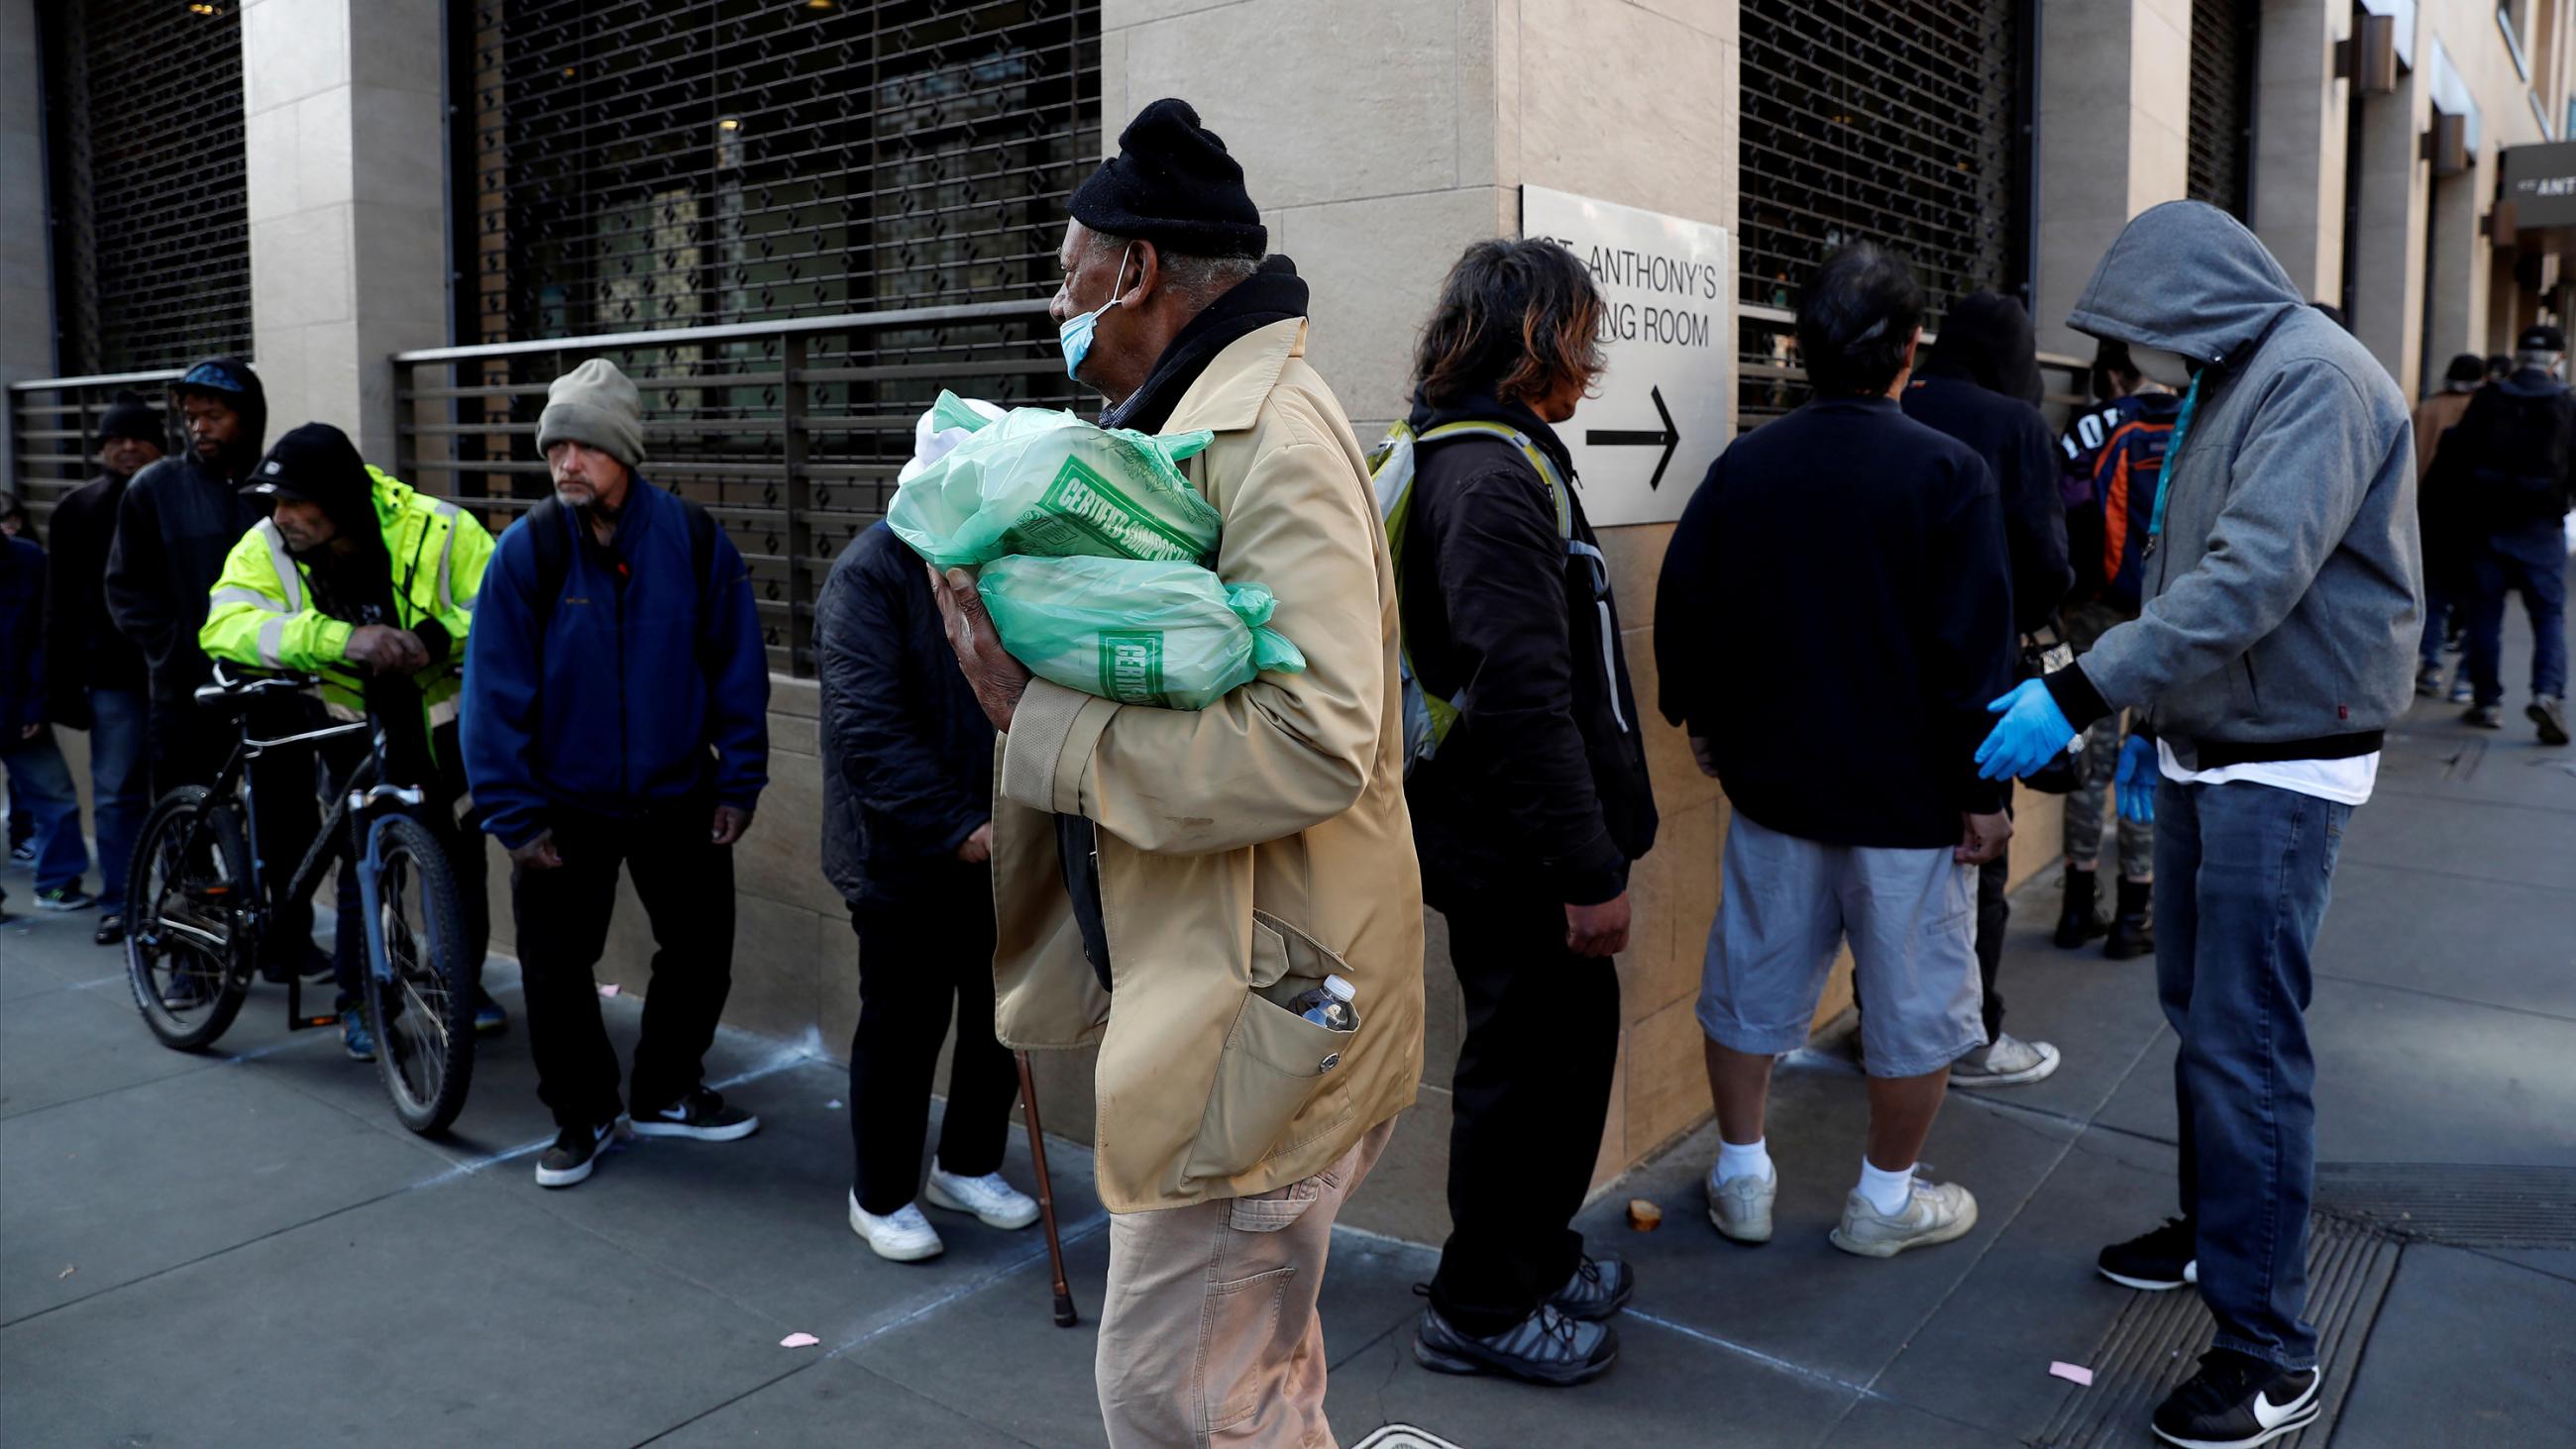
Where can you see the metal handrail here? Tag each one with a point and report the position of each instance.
(102, 379)
(734, 331)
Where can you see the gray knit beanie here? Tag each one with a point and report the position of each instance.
(595, 404)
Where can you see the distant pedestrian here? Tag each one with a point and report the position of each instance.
(2502, 478)
(1214, 865)
(2447, 579)
(2114, 456)
(1981, 385)
(1530, 812)
(908, 839)
(616, 714)
(1834, 613)
(94, 677)
(2283, 603)
(40, 784)
(16, 522)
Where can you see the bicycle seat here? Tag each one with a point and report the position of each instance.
(233, 693)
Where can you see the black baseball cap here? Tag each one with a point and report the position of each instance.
(315, 462)
(2543, 338)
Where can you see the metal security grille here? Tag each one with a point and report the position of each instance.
(1894, 121)
(152, 230)
(643, 163)
(2223, 47)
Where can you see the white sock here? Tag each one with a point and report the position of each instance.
(1888, 1192)
(1751, 1160)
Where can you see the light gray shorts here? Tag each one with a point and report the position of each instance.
(1911, 916)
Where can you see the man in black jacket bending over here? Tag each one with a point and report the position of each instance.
(1528, 813)
(908, 838)
(1981, 386)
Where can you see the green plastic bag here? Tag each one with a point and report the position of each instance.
(1048, 483)
(1136, 631)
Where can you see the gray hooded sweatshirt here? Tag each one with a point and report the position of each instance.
(2284, 600)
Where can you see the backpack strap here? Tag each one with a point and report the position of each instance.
(1538, 459)
(550, 527)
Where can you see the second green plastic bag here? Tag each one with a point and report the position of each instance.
(1134, 631)
(1038, 481)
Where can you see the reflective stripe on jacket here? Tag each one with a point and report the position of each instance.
(262, 611)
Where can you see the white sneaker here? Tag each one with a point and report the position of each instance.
(1934, 1213)
(994, 1202)
(2007, 1061)
(903, 1236)
(1740, 1207)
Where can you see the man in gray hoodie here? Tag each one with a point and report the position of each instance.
(2283, 599)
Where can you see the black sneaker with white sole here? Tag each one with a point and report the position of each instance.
(2237, 1401)
(1546, 1348)
(575, 1153)
(2157, 1262)
(701, 1114)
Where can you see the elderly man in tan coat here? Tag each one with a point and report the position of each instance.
(1166, 880)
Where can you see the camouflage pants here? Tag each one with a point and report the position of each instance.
(2089, 806)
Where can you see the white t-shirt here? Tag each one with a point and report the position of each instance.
(2346, 782)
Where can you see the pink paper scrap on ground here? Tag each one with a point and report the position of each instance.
(2074, 1373)
(799, 1340)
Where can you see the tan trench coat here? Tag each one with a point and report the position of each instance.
(1246, 849)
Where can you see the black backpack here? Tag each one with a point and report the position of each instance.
(2518, 468)
(551, 534)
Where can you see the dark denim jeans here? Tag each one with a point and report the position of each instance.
(2532, 561)
(2245, 872)
(120, 795)
(41, 783)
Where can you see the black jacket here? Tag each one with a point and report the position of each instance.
(907, 752)
(175, 525)
(1834, 614)
(1542, 784)
(2506, 464)
(83, 650)
(1979, 386)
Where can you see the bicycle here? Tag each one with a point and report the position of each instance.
(198, 910)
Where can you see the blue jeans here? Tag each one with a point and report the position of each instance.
(118, 790)
(2437, 624)
(42, 783)
(2533, 560)
(2244, 872)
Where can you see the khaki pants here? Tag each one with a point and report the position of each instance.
(1208, 1333)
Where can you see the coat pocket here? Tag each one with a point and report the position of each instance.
(1279, 1086)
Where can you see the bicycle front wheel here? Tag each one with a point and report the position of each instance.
(420, 987)
(186, 953)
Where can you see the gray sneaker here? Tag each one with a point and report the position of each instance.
(1546, 1348)
(2007, 1061)
(1740, 1207)
(2549, 712)
(1936, 1213)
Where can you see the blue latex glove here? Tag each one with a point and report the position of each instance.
(2135, 784)
(2033, 732)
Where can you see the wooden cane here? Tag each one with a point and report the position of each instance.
(1065, 1317)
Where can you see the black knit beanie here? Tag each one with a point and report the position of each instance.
(1173, 184)
(131, 417)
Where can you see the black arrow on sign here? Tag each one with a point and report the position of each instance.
(1642, 438)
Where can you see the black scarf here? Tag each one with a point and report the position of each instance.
(1275, 293)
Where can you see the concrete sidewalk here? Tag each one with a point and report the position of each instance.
(243, 1248)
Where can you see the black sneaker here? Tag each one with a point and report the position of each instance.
(1599, 1288)
(575, 1152)
(2237, 1401)
(2134, 933)
(23, 853)
(111, 930)
(2484, 717)
(1545, 1348)
(701, 1114)
(2157, 1262)
(2079, 918)
(2550, 713)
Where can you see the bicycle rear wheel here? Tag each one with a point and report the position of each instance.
(186, 955)
(420, 987)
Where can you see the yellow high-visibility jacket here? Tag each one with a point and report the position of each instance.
(262, 613)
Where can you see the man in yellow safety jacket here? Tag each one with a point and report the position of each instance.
(368, 584)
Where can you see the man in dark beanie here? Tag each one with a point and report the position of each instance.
(93, 674)
(174, 526)
(1216, 863)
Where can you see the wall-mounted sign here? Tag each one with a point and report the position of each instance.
(2540, 181)
(1642, 446)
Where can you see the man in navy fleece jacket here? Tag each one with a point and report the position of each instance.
(616, 712)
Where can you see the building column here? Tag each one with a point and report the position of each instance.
(2388, 247)
(2456, 271)
(26, 261)
(2114, 139)
(345, 110)
(2299, 141)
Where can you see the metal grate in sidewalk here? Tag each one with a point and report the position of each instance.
(2465, 1206)
(2157, 1341)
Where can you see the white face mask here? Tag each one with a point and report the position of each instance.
(2155, 364)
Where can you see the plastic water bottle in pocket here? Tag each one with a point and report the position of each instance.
(1328, 1005)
